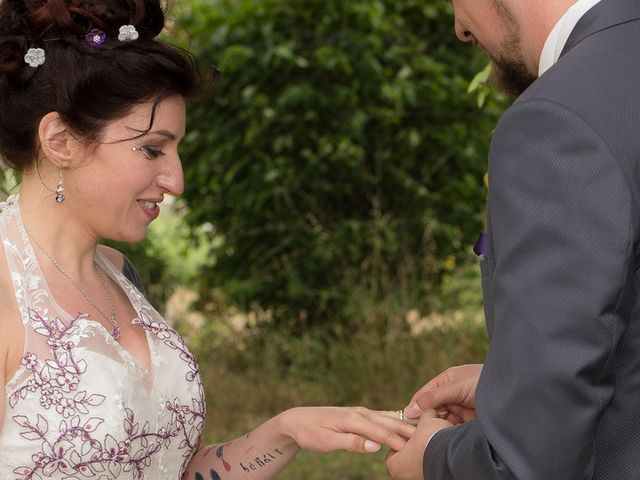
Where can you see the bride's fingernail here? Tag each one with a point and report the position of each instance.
(412, 411)
(370, 446)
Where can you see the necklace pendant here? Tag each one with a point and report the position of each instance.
(59, 197)
(115, 333)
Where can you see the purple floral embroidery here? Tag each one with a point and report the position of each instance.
(165, 333)
(30, 360)
(57, 376)
(73, 449)
(93, 456)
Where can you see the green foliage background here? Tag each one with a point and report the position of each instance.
(341, 158)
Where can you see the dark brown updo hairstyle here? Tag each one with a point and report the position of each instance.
(89, 86)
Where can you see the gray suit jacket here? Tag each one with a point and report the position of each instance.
(559, 395)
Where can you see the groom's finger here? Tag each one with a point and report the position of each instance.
(450, 393)
(436, 382)
(429, 413)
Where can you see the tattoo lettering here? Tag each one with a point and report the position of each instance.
(260, 462)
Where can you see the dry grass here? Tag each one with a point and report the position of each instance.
(251, 376)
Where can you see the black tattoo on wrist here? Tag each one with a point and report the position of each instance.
(213, 473)
(261, 461)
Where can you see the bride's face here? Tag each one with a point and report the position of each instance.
(117, 189)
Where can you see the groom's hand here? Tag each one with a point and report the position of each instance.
(451, 394)
(406, 464)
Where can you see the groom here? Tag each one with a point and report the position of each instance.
(558, 397)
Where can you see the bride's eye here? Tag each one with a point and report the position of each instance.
(150, 152)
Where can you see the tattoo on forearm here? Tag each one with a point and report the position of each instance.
(260, 461)
(220, 455)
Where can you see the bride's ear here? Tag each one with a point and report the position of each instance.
(55, 140)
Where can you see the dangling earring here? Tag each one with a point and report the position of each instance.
(60, 188)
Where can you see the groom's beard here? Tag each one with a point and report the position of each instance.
(509, 73)
(511, 77)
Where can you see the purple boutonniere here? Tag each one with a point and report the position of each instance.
(480, 248)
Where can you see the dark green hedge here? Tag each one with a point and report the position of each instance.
(342, 152)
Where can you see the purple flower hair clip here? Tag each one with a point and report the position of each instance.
(95, 37)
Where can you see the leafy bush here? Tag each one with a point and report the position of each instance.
(9, 182)
(341, 150)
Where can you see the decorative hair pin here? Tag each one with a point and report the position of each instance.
(34, 57)
(128, 33)
(95, 37)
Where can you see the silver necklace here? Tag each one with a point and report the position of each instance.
(115, 331)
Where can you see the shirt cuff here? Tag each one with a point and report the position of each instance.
(432, 435)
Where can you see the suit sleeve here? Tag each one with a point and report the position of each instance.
(556, 299)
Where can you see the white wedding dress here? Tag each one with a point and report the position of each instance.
(81, 406)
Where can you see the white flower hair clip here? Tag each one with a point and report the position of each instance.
(128, 33)
(34, 57)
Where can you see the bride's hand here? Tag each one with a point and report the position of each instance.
(355, 429)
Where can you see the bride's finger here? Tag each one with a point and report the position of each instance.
(396, 415)
(393, 435)
(386, 421)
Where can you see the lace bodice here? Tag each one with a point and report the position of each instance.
(81, 406)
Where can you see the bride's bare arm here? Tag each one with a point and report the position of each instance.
(264, 452)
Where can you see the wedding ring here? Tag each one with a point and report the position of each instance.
(401, 414)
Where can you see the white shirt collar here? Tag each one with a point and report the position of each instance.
(560, 33)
